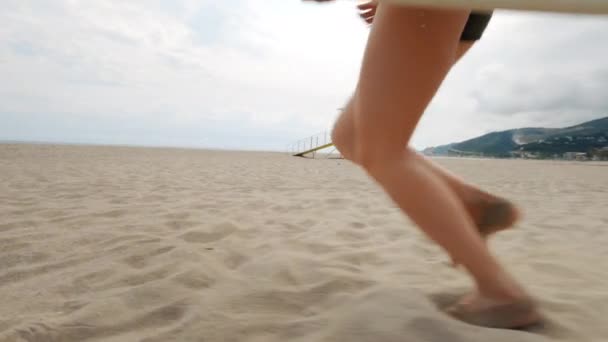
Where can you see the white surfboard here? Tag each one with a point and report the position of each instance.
(567, 6)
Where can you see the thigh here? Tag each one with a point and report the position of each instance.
(462, 49)
(409, 53)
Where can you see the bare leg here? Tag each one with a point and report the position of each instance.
(409, 52)
(489, 212)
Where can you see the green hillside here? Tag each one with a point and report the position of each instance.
(584, 137)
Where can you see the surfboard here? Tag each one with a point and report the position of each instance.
(566, 6)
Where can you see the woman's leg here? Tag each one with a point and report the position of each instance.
(489, 212)
(408, 55)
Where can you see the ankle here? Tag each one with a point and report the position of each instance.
(503, 287)
(476, 201)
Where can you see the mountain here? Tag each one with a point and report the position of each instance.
(538, 141)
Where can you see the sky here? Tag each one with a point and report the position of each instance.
(258, 75)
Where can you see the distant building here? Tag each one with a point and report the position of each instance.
(600, 153)
(429, 151)
(580, 156)
(524, 154)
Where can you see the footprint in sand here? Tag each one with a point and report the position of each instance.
(555, 269)
(212, 234)
(15, 259)
(178, 215)
(72, 306)
(140, 278)
(93, 279)
(5, 227)
(351, 235)
(116, 213)
(308, 223)
(194, 279)
(157, 318)
(11, 244)
(357, 225)
(143, 259)
(337, 201)
(179, 224)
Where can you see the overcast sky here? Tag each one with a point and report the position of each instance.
(244, 74)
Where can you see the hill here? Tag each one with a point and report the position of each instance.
(541, 142)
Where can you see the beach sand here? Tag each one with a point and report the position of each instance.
(144, 244)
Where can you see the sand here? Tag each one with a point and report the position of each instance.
(142, 244)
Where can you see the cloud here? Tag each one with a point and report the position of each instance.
(159, 72)
(564, 71)
(530, 69)
(509, 92)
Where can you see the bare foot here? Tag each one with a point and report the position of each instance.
(494, 214)
(491, 215)
(510, 313)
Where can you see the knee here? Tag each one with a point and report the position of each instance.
(376, 159)
(371, 158)
(342, 136)
(339, 137)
